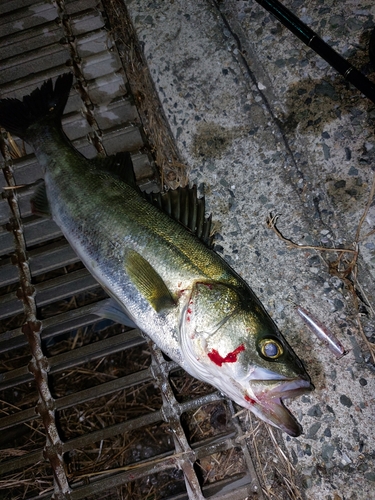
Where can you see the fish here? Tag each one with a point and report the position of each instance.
(153, 255)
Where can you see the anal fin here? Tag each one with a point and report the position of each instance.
(39, 201)
(111, 309)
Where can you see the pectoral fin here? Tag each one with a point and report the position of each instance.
(148, 281)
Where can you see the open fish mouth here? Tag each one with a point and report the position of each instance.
(268, 402)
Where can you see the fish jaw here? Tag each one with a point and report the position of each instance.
(266, 400)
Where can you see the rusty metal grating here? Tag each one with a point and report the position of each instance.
(122, 421)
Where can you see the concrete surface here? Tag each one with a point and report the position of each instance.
(268, 126)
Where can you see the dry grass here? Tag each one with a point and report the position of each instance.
(221, 465)
(279, 480)
(155, 126)
(186, 387)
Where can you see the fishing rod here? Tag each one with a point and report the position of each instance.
(312, 40)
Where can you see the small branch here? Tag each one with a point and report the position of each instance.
(18, 186)
(271, 224)
(14, 150)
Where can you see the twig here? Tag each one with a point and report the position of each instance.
(14, 150)
(367, 235)
(18, 186)
(271, 223)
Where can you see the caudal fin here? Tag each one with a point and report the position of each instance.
(16, 116)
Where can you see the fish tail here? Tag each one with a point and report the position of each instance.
(47, 101)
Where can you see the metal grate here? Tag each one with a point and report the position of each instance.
(90, 409)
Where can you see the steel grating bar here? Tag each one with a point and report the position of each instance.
(172, 414)
(63, 287)
(110, 431)
(158, 464)
(32, 327)
(235, 488)
(53, 326)
(42, 260)
(30, 37)
(24, 85)
(81, 441)
(129, 425)
(75, 357)
(28, 59)
(255, 485)
(80, 397)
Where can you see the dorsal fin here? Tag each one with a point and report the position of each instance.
(119, 166)
(181, 204)
(184, 206)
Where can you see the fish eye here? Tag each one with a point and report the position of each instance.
(270, 348)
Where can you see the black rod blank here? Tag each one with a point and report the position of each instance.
(311, 39)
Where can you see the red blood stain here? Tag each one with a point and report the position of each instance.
(229, 358)
(251, 401)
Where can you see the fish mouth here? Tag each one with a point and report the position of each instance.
(269, 402)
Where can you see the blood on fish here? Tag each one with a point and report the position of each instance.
(231, 357)
(248, 398)
(322, 332)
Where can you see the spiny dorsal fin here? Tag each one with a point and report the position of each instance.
(184, 206)
(119, 166)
